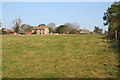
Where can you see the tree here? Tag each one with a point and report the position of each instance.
(35, 32)
(97, 30)
(42, 25)
(112, 17)
(17, 25)
(54, 30)
(50, 29)
(72, 25)
(73, 31)
(26, 28)
(63, 29)
(51, 25)
(3, 32)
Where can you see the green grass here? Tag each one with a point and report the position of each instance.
(58, 56)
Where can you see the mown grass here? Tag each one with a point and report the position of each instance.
(58, 56)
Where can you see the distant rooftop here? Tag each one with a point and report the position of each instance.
(39, 27)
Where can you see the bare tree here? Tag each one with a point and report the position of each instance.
(17, 25)
(76, 25)
(51, 25)
(72, 25)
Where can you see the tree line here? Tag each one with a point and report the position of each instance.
(67, 28)
(112, 18)
(62, 29)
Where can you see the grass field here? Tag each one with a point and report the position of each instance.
(58, 56)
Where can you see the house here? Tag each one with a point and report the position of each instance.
(11, 31)
(84, 31)
(4, 29)
(40, 30)
(8, 31)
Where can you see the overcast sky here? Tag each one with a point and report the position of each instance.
(86, 14)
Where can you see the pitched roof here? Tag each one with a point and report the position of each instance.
(41, 27)
(84, 31)
(7, 30)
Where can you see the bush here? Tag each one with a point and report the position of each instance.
(35, 32)
(4, 33)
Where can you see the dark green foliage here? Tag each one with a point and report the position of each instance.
(73, 31)
(16, 29)
(42, 25)
(50, 29)
(62, 29)
(112, 18)
(26, 28)
(4, 33)
(35, 32)
(73, 27)
(54, 30)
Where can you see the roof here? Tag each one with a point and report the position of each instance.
(4, 29)
(84, 31)
(41, 27)
(8, 30)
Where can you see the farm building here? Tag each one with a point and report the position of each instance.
(84, 31)
(40, 30)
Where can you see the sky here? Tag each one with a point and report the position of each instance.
(86, 14)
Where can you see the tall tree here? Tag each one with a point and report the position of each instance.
(63, 29)
(26, 28)
(51, 27)
(54, 30)
(41, 25)
(17, 25)
(72, 25)
(112, 17)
